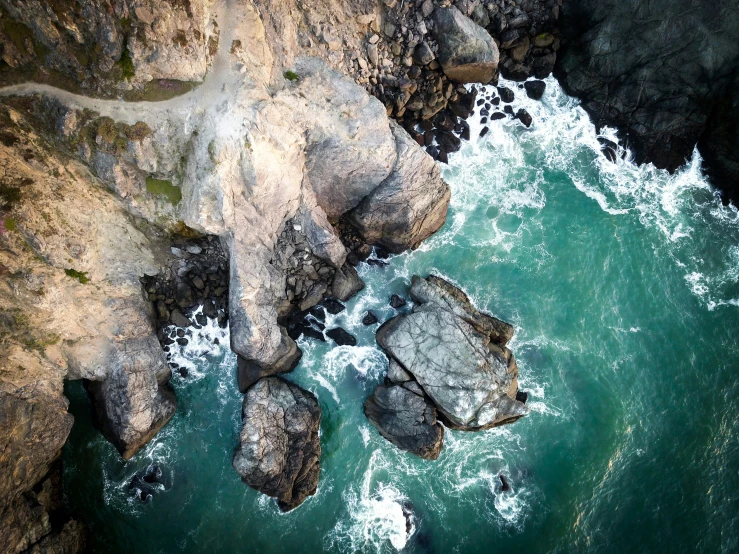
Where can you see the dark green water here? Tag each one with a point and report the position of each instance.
(623, 285)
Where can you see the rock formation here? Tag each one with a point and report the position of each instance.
(279, 451)
(664, 74)
(450, 356)
(159, 155)
(467, 52)
(407, 418)
(409, 205)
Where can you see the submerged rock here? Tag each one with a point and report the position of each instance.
(369, 319)
(341, 337)
(467, 52)
(279, 450)
(457, 355)
(407, 419)
(397, 301)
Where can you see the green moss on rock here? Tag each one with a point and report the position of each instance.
(126, 65)
(81, 276)
(164, 188)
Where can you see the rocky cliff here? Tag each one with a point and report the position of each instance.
(664, 73)
(266, 154)
(159, 155)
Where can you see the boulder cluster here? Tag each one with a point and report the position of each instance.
(418, 61)
(448, 364)
(196, 275)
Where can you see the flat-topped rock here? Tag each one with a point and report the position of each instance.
(457, 355)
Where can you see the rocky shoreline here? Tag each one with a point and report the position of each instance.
(234, 162)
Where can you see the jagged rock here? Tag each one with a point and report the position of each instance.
(346, 283)
(314, 296)
(249, 371)
(133, 403)
(333, 306)
(396, 373)
(341, 337)
(407, 419)
(524, 117)
(467, 52)
(369, 318)
(535, 89)
(441, 292)
(423, 54)
(457, 355)
(178, 319)
(279, 450)
(397, 301)
(506, 94)
(410, 205)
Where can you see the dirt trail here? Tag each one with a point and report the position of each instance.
(218, 85)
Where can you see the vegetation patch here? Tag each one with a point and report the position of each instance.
(180, 38)
(81, 276)
(291, 76)
(181, 229)
(7, 224)
(8, 139)
(9, 195)
(164, 188)
(126, 64)
(106, 131)
(137, 132)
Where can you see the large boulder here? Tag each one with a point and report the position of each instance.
(467, 52)
(407, 418)
(279, 450)
(133, 403)
(408, 206)
(457, 355)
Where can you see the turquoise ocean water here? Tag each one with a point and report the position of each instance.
(623, 285)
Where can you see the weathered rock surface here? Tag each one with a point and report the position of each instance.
(408, 206)
(457, 356)
(407, 419)
(467, 52)
(663, 73)
(346, 283)
(279, 450)
(109, 46)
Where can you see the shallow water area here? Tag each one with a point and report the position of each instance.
(623, 285)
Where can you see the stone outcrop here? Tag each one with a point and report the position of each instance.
(408, 206)
(262, 158)
(279, 450)
(467, 52)
(664, 74)
(454, 355)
